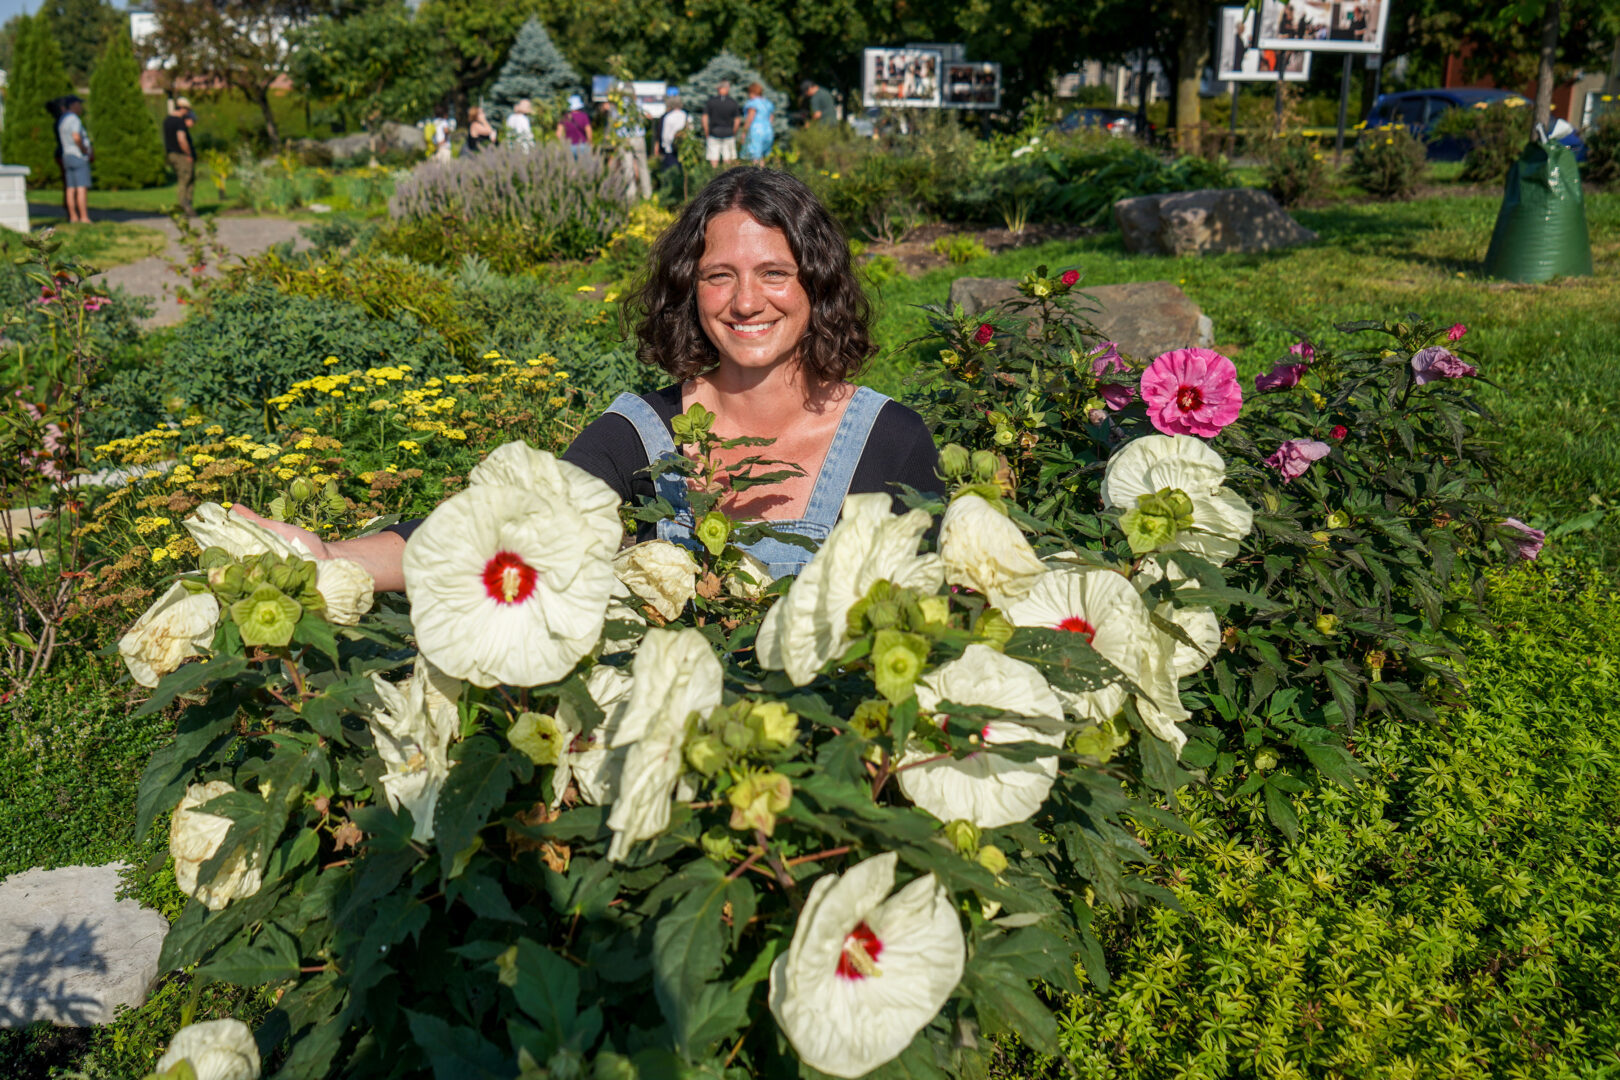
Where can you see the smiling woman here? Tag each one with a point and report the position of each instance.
(752, 306)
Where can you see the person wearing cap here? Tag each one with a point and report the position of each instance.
(631, 135)
(575, 127)
(822, 110)
(182, 152)
(520, 124)
(75, 142)
(671, 127)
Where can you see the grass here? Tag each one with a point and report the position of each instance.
(102, 244)
(157, 201)
(1546, 348)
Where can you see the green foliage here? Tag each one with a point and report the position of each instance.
(1388, 162)
(959, 249)
(1603, 148)
(129, 146)
(534, 69)
(699, 87)
(82, 29)
(369, 64)
(29, 135)
(1448, 918)
(1496, 134)
(34, 339)
(1294, 171)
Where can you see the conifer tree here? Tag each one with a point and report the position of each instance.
(129, 146)
(700, 87)
(534, 69)
(37, 77)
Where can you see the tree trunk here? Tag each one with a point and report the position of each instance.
(1611, 85)
(1549, 54)
(1191, 51)
(260, 96)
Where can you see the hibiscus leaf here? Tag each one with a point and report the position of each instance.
(547, 988)
(189, 677)
(456, 1053)
(1034, 953)
(271, 958)
(1006, 1005)
(688, 950)
(202, 730)
(1281, 811)
(316, 631)
(477, 784)
(484, 895)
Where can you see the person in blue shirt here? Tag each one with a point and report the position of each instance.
(757, 112)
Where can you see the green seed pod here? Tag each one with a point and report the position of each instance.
(964, 836)
(954, 460)
(985, 465)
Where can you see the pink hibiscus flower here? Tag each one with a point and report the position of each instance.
(1105, 358)
(1529, 541)
(1282, 377)
(1295, 456)
(1192, 392)
(1437, 362)
(1456, 332)
(1304, 350)
(1115, 396)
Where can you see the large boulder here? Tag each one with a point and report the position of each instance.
(1214, 221)
(1145, 318)
(345, 147)
(70, 951)
(396, 136)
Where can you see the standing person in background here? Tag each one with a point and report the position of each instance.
(57, 107)
(720, 115)
(575, 127)
(520, 125)
(632, 135)
(757, 124)
(182, 153)
(438, 134)
(76, 153)
(480, 132)
(672, 126)
(821, 107)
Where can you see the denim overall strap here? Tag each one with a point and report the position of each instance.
(838, 468)
(656, 441)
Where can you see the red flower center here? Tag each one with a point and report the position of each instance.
(861, 950)
(1074, 624)
(508, 579)
(1189, 398)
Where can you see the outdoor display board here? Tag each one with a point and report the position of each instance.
(901, 77)
(1347, 26)
(1241, 60)
(971, 86)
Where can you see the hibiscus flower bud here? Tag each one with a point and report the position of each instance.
(1338, 433)
(1338, 520)
(719, 845)
(949, 358)
(706, 754)
(227, 581)
(954, 460)
(897, 660)
(993, 629)
(1327, 624)
(984, 333)
(963, 835)
(774, 724)
(1156, 519)
(266, 617)
(1456, 332)
(737, 735)
(1071, 278)
(538, 736)
(985, 465)
(214, 556)
(936, 610)
(1102, 741)
(713, 531)
(757, 799)
(1265, 759)
(301, 489)
(870, 719)
(992, 859)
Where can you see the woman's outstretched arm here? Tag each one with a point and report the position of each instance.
(382, 555)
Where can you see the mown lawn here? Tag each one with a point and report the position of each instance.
(102, 244)
(1546, 348)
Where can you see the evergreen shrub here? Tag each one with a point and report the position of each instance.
(37, 76)
(535, 69)
(129, 146)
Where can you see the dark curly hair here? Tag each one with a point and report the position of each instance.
(669, 335)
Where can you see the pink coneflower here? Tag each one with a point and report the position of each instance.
(1437, 362)
(1192, 392)
(1281, 377)
(96, 303)
(1295, 456)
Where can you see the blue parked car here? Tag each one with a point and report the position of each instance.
(1420, 110)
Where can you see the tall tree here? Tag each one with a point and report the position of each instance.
(240, 43)
(82, 28)
(534, 69)
(476, 36)
(36, 77)
(129, 147)
(373, 64)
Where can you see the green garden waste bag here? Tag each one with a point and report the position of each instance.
(1541, 228)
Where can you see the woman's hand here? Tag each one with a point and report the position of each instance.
(287, 531)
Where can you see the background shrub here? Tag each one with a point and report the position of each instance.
(36, 76)
(129, 147)
(1389, 162)
(1603, 148)
(1496, 134)
(1294, 171)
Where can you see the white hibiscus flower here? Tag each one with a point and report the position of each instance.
(195, 837)
(661, 573)
(1195, 620)
(505, 586)
(985, 551)
(216, 1050)
(866, 971)
(347, 589)
(986, 788)
(1161, 708)
(517, 464)
(179, 625)
(1101, 606)
(759, 579)
(809, 626)
(413, 731)
(676, 674)
(1153, 463)
(592, 765)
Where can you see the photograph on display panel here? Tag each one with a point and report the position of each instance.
(971, 86)
(1241, 60)
(902, 77)
(1324, 25)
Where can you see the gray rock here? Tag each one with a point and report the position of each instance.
(1145, 318)
(1214, 221)
(69, 952)
(396, 136)
(348, 146)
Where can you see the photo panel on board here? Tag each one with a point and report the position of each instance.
(1241, 59)
(1346, 26)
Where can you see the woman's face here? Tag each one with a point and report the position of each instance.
(750, 301)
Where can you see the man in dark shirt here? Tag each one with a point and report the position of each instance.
(720, 115)
(822, 109)
(182, 152)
